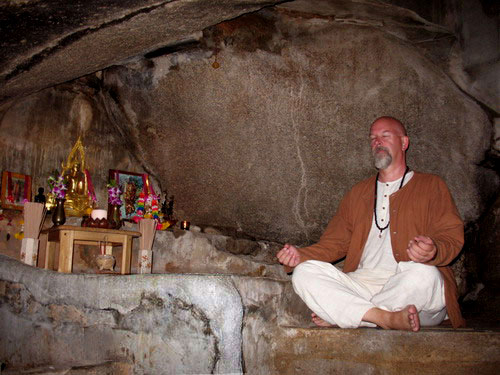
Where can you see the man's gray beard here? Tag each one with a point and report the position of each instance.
(382, 161)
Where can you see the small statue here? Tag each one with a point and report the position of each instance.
(78, 200)
(167, 208)
(40, 197)
(77, 183)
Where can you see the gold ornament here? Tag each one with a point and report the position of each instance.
(78, 201)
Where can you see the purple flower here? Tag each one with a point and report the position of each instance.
(57, 187)
(114, 193)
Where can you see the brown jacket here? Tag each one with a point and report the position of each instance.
(423, 206)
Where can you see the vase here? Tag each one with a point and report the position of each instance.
(58, 216)
(114, 216)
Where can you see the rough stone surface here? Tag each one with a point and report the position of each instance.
(489, 246)
(50, 42)
(371, 351)
(496, 140)
(267, 143)
(264, 143)
(481, 305)
(279, 338)
(160, 324)
(174, 251)
(106, 368)
(277, 134)
(476, 64)
(203, 324)
(38, 132)
(188, 252)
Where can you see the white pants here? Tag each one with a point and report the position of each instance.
(344, 298)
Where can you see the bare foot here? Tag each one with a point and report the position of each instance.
(320, 322)
(405, 320)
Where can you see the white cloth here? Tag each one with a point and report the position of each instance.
(377, 253)
(343, 299)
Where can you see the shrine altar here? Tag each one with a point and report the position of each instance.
(67, 236)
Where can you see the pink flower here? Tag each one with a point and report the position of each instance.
(58, 187)
(114, 193)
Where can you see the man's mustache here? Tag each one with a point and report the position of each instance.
(380, 148)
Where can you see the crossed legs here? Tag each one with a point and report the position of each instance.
(414, 296)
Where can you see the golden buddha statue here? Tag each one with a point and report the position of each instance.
(78, 201)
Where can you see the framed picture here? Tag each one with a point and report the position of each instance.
(16, 189)
(131, 184)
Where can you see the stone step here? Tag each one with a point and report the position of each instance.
(104, 368)
(360, 351)
(376, 351)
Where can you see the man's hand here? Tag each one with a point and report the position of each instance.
(421, 249)
(289, 256)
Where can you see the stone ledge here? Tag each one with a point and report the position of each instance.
(105, 368)
(159, 323)
(207, 323)
(371, 350)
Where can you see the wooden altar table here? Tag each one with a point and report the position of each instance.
(68, 236)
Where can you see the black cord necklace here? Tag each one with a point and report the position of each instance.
(375, 203)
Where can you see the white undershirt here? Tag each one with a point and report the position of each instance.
(377, 254)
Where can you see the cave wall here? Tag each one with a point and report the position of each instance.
(270, 140)
(267, 140)
(38, 132)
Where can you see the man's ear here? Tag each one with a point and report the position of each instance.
(405, 142)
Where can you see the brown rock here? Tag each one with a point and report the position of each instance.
(67, 314)
(489, 246)
(241, 246)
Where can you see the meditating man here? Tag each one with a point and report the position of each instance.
(399, 231)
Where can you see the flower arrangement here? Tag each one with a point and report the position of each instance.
(57, 186)
(153, 203)
(114, 193)
(147, 208)
(139, 213)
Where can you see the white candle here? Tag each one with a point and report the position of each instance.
(99, 214)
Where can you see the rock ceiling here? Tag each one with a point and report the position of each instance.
(47, 42)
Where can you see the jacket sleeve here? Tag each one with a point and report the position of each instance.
(445, 225)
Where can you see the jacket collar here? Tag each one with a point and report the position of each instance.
(368, 193)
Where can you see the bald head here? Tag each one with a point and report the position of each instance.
(396, 125)
(389, 142)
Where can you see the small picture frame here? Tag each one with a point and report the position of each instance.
(131, 184)
(16, 189)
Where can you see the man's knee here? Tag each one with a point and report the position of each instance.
(306, 272)
(303, 272)
(421, 275)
